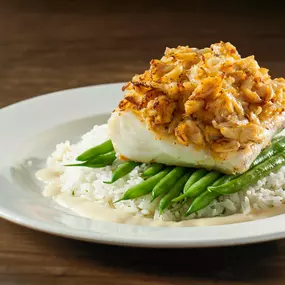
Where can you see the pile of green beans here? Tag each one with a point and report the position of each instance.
(181, 184)
(269, 160)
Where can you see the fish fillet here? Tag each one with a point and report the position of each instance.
(194, 107)
(132, 139)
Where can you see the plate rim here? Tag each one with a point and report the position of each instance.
(138, 243)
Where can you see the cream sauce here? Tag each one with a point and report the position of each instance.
(96, 211)
(52, 181)
(48, 175)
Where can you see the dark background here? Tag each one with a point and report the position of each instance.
(52, 45)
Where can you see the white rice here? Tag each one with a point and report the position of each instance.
(89, 183)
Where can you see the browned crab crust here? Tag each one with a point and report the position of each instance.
(211, 98)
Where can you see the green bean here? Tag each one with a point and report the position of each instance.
(102, 148)
(205, 198)
(103, 159)
(252, 176)
(221, 180)
(174, 192)
(145, 187)
(122, 170)
(168, 181)
(152, 169)
(197, 175)
(108, 157)
(224, 179)
(277, 138)
(200, 186)
(89, 164)
(202, 201)
(276, 147)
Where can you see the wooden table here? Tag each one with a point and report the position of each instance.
(52, 45)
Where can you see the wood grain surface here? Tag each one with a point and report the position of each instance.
(52, 45)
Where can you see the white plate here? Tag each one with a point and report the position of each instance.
(31, 129)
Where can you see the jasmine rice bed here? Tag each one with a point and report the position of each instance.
(89, 183)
